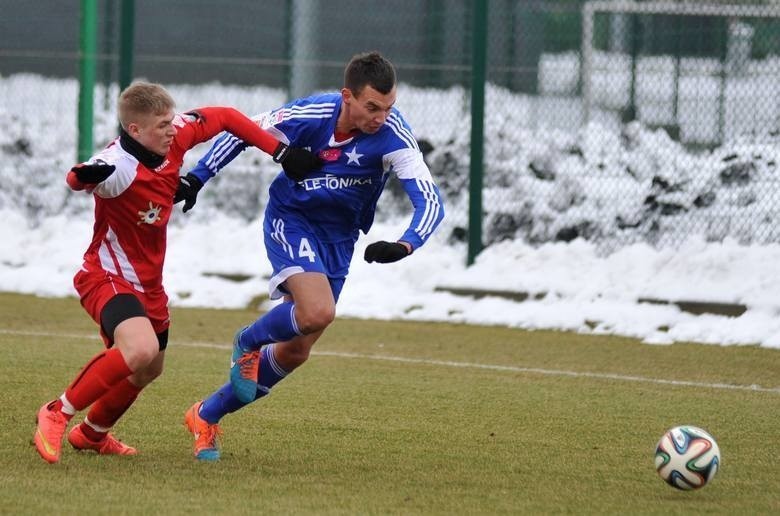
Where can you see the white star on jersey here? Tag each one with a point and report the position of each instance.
(353, 157)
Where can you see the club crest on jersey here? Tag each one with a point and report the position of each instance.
(330, 155)
(151, 215)
(276, 116)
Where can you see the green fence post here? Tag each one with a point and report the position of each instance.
(434, 41)
(88, 41)
(476, 166)
(108, 45)
(126, 39)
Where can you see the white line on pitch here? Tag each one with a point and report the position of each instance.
(448, 363)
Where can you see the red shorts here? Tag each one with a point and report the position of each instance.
(97, 288)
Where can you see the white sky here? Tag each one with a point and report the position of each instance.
(584, 291)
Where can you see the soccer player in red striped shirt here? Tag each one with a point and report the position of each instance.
(135, 183)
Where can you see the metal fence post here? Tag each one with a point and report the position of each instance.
(476, 166)
(126, 39)
(304, 43)
(88, 43)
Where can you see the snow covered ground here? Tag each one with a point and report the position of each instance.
(539, 188)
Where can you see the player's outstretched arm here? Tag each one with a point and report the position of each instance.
(241, 132)
(212, 120)
(296, 162)
(86, 175)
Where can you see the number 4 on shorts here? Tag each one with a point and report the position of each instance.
(305, 251)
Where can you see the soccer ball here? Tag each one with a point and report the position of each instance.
(687, 457)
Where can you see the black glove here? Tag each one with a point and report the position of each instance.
(296, 162)
(93, 173)
(189, 186)
(385, 252)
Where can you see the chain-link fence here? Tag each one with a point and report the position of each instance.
(616, 122)
(669, 117)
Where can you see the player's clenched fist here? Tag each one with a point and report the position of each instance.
(188, 189)
(296, 162)
(93, 173)
(385, 252)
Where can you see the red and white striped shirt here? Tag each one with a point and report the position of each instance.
(133, 205)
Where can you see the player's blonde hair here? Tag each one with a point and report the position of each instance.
(143, 98)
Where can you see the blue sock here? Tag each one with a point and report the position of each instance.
(276, 325)
(222, 402)
(270, 372)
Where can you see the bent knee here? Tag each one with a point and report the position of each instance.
(137, 341)
(310, 321)
(139, 351)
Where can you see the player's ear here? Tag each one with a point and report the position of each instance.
(346, 95)
(133, 129)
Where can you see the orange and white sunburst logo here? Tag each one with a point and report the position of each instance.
(151, 215)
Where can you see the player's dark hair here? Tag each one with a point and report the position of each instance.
(369, 69)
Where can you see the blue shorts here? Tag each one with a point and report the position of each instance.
(293, 248)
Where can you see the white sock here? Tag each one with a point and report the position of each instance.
(67, 408)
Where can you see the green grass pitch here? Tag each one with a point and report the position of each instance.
(398, 418)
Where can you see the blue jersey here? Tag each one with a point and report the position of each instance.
(340, 199)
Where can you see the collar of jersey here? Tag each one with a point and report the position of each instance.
(147, 158)
(334, 143)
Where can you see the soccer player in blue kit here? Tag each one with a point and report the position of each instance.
(312, 222)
